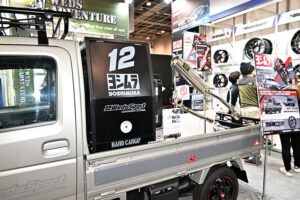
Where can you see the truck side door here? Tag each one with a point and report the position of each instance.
(37, 123)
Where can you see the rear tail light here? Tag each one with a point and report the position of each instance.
(256, 142)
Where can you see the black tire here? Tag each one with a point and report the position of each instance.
(297, 70)
(221, 56)
(295, 43)
(220, 80)
(220, 183)
(269, 46)
(254, 45)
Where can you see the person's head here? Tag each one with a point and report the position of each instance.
(234, 77)
(247, 69)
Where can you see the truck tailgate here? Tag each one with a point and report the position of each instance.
(122, 170)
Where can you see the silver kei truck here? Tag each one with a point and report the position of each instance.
(78, 123)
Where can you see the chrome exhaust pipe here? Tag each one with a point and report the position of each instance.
(199, 84)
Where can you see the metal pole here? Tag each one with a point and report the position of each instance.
(265, 167)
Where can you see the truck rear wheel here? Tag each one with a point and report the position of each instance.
(220, 183)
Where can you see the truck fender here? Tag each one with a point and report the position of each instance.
(237, 167)
(199, 176)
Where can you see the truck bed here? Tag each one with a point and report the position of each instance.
(119, 171)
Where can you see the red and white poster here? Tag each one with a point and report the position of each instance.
(177, 44)
(277, 95)
(196, 52)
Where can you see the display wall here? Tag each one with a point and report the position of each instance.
(280, 36)
(234, 44)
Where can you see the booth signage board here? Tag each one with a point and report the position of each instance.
(89, 16)
(276, 94)
(177, 43)
(219, 35)
(220, 9)
(256, 26)
(189, 13)
(284, 18)
(121, 94)
(288, 17)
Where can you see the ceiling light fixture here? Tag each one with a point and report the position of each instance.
(162, 31)
(148, 38)
(148, 3)
(167, 1)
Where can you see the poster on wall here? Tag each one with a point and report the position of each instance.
(203, 57)
(105, 17)
(190, 41)
(177, 44)
(196, 52)
(187, 14)
(277, 95)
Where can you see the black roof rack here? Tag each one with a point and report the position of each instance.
(33, 22)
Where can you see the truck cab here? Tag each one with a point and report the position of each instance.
(40, 125)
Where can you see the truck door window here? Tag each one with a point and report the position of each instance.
(27, 90)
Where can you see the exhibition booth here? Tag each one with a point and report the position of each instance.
(87, 113)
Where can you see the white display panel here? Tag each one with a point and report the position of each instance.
(218, 6)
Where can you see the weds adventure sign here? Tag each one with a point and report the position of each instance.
(89, 16)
